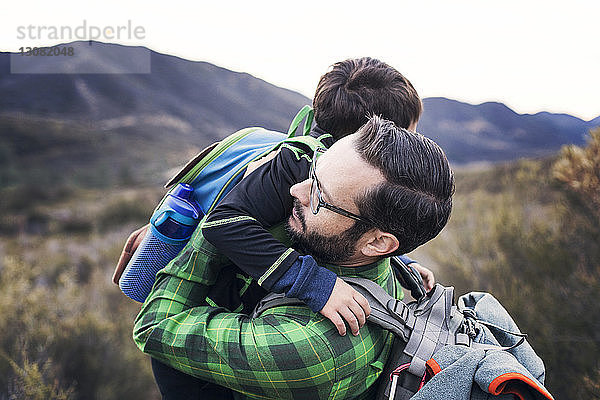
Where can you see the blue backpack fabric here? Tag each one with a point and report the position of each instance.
(216, 169)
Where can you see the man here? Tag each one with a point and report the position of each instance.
(398, 186)
(345, 96)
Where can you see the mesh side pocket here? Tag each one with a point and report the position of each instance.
(150, 257)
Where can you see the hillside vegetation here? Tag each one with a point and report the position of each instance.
(66, 327)
(44, 152)
(527, 232)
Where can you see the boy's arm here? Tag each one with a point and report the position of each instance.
(238, 225)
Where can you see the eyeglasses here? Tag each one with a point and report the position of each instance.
(316, 198)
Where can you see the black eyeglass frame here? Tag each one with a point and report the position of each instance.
(316, 185)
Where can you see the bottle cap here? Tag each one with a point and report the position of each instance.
(183, 191)
(181, 201)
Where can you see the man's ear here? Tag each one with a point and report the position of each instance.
(378, 243)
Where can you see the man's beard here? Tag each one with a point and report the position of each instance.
(328, 249)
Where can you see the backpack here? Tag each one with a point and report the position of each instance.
(426, 325)
(210, 176)
(215, 170)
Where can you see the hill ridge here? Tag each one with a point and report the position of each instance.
(196, 102)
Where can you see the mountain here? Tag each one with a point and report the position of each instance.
(493, 132)
(97, 126)
(100, 128)
(188, 96)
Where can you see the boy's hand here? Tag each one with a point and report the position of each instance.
(345, 302)
(131, 245)
(426, 274)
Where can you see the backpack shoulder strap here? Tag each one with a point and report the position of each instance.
(420, 328)
(409, 278)
(302, 145)
(386, 311)
(305, 112)
(306, 142)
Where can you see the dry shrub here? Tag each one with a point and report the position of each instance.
(579, 170)
(66, 337)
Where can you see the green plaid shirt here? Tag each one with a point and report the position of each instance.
(288, 352)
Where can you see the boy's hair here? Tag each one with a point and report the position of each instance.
(415, 201)
(355, 89)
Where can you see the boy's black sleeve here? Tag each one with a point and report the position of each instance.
(237, 227)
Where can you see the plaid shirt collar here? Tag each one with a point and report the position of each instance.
(374, 271)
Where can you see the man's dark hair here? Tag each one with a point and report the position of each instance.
(415, 201)
(355, 89)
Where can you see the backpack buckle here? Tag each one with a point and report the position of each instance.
(399, 309)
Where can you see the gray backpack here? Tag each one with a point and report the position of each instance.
(421, 328)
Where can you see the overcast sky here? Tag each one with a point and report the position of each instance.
(531, 55)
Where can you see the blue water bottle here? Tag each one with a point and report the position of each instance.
(171, 226)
